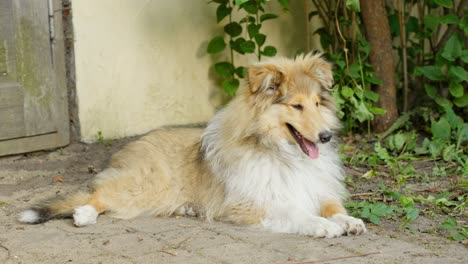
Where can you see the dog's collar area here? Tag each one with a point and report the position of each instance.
(307, 146)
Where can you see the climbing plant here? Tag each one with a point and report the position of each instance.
(242, 36)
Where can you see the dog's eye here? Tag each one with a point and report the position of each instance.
(316, 104)
(298, 107)
(273, 88)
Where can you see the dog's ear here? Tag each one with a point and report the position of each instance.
(320, 69)
(265, 79)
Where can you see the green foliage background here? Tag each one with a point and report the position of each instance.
(429, 41)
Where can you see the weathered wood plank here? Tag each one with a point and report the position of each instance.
(29, 144)
(11, 123)
(39, 97)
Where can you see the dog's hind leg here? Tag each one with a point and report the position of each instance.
(87, 214)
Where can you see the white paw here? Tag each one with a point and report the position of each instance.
(351, 225)
(325, 228)
(85, 215)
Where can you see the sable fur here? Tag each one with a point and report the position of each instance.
(245, 167)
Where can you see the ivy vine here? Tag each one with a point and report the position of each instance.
(251, 42)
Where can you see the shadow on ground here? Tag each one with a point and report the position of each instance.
(25, 179)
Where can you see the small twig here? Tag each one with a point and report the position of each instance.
(401, 20)
(384, 199)
(163, 250)
(7, 250)
(345, 49)
(338, 258)
(361, 194)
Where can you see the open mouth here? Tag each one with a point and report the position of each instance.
(307, 146)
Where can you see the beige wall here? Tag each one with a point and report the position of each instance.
(141, 64)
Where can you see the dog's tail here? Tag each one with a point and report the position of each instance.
(56, 207)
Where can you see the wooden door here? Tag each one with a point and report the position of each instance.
(33, 92)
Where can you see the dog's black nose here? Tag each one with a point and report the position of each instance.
(325, 136)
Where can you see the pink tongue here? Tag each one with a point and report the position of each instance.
(312, 149)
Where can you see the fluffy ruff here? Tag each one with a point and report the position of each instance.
(268, 159)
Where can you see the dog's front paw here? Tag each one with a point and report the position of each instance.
(85, 215)
(325, 228)
(351, 225)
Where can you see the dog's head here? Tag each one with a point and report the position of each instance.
(292, 100)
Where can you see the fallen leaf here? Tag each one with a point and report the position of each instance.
(58, 179)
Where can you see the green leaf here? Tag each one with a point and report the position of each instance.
(355, 71)
(269, 51)
(253, 29)
(241, 71)
(221, 12)
(444, 102)
(449, 19)
(240, 2)
(377, 110)
(464, 56)
(233, 29)
(373, 96)
(461, 101)
(267, 16)
(394, 24)
(374, 219)
(260, 39)
(412, 213)
(412, 25)
(363, 113)
(431, 72)
(224, 69)
(457, 73)
(284, 3)
(248, 46)
(353, 5)
(250, 7)
(436, 146)
(236, 45)
(449, 223)
(347, 92)
(449, 153)
(444, 3)
(230, 86)
(374, 80)
(406, 201)
(400, 140)
(381, 209)
(453, 48)
(463, 24)
(452, 118)
(456, 89)
(441, 129)
(365, 213)
(216, 45)
(430, 22)
(457, 236)
(430, 90)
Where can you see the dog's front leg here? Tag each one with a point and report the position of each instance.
(335, 212)
(242, 214)
(289, 220)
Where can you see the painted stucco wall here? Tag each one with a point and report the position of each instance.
(142, 64)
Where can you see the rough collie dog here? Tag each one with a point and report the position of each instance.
(267, 159)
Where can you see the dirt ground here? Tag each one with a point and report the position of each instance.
(25, 179)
